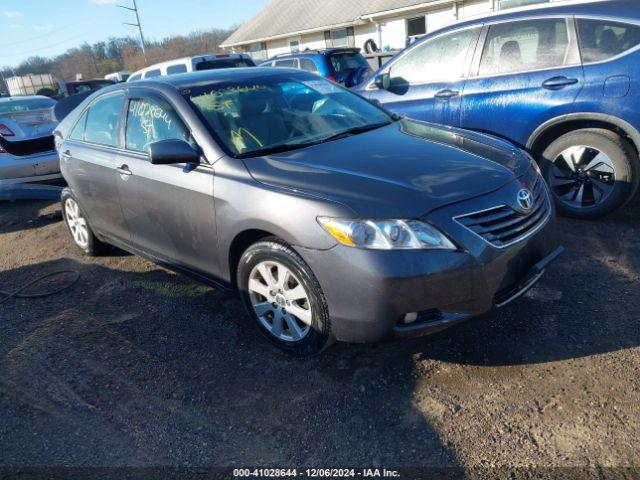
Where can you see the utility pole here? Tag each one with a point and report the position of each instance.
(137, 24)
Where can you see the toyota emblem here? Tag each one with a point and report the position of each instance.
(525, 200)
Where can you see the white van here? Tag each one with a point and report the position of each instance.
(118, 77)
(193, 64)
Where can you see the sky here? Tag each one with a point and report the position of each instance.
(50, 27)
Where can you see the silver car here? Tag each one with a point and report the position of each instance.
(27, 153)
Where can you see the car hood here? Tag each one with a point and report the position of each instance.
(405, 169)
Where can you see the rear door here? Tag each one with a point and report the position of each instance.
(88, 160)
(427, 80)
(527, 72)
(168, 209)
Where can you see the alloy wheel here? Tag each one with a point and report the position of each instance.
(280, 301)
(582, 176)
(76, 222)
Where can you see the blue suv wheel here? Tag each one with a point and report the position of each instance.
(590, 172)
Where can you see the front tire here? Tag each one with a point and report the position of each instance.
(284, 298)
(590, 172)
(78, 226)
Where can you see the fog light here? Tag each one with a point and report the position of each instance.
(410, 318)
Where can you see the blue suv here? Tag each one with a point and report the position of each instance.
(346, 66)
(562, 81)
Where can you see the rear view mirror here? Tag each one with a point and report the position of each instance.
(383, 81)
(169, 152)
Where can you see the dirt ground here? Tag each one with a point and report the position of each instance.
(137, 366)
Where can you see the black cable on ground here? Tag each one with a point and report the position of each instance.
(17, 294)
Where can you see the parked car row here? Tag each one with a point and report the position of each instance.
(399, 207)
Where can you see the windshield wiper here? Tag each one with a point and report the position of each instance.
(354, 131)
(287, 147)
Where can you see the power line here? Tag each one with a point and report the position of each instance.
(39, 36)
(20, 54)
(137, 24)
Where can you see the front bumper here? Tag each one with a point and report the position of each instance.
(369, 292)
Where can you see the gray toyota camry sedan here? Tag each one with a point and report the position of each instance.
(331, 217)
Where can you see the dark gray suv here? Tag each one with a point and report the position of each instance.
(333, 218)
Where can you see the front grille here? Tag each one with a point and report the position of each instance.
(503, 226)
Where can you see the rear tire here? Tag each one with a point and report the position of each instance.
(590, 172)
(282, 295)
(79, 228)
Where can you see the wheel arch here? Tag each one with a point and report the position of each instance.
(555, 128)
(239, 245)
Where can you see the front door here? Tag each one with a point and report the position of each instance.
(426, 82)
(169, 209)
(528, 72)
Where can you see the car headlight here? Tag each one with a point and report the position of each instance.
(386, 234)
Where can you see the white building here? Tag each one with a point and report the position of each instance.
(285, 26)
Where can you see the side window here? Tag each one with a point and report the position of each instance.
(308, 65)
(102, 120)
(150, 121)
(153, 73)
(173, 69)
(525, 46)
(291, 63)
(78, 131)
(602, 39)
(441, 58)
(135, 78)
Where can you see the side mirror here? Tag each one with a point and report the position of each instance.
(170, 152)
(383, 81)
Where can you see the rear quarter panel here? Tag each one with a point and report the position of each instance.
(612, 88)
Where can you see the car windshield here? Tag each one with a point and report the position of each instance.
(19, 106)
(345, 61)
(282, 113)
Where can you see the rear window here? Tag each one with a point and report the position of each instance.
(346, 61)
(308, 65)
(290, 63)
(602, 39)
(18, 106)
(224, 63)
(526, 46)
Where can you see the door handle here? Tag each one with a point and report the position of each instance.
(66, 155)
(558, 83)
(447, 93)
(123, 170)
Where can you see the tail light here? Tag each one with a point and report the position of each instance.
(6, 131)
(332, 78)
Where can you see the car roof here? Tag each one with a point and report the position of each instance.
(193, 79)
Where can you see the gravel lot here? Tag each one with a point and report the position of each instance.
(137, 366)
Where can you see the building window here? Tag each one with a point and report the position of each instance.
(294, 45)
(258, 51)
(416, 26)
(339, 38)
(504, 4)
